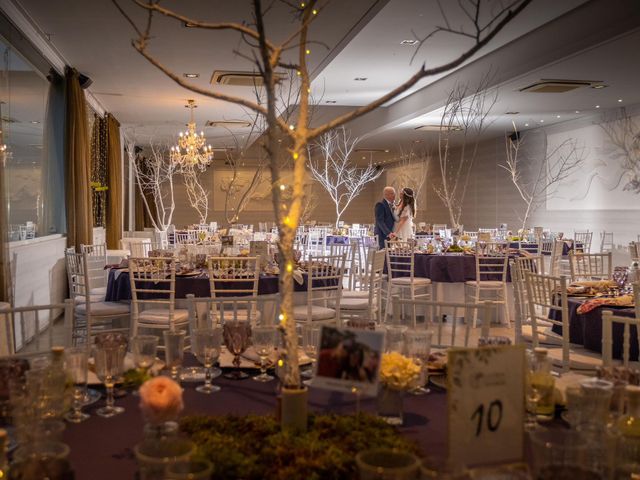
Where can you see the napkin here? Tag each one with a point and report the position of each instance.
(297, 276)
(621, 301)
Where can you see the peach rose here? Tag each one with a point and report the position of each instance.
(160, 399)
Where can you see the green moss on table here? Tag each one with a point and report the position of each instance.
(254, 448)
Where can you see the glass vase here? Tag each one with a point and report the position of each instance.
(161, 448)
(390, 407)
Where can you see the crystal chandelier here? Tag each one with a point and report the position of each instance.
(191, 150)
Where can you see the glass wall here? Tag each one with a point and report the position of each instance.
(23, 97)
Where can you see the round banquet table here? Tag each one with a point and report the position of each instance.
(102, 448)
(447, 267)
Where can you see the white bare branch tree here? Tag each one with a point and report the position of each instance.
(154, 177)
(290, 53)
(335, 170)
(623, 133)
(412, 168)
(196, 193)
(537, 179)
(463, 121)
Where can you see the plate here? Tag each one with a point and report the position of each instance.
(196, 374)
(439, 381)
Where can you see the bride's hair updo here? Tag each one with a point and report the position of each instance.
(408, 200)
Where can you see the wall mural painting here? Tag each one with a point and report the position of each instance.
(610, 177)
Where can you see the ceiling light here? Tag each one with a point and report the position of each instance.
(364, 158)
(409, 42)
(191, 75)
(386, 151)
(330, 101)
(620, 100)
(557, 116)
(438, 127)
(577, 111)
(598, 86)
(541, 121)
(597, 106)
(191, 150)
(360, 79)
(35, 122)
(526, 124)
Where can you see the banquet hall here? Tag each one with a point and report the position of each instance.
(374, 239)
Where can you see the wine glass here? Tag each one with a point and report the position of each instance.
(206, 347)
(236, 336)
(310, 341)
(174, 351)
(76, 364)
(144, 349)
(263, 339)
(109, 363)
(417, 345)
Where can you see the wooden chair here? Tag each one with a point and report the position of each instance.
(324, 290)
(153, 292)
(190, 237)
(548, 304)
(634, 251)
(606, 242)
(24, 331)
(445, 334)
(491, 277)
(608, 320)
(235, 277)
(401, 274)
(96, 267)
(585, 239)
(349, 250)
(519, 266)
(590, 266)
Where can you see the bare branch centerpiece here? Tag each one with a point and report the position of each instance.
(290, 53)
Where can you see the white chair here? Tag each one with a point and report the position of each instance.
(358, 231)
(349, 250)
(190, 237)
(583, 238)
(556, 261)
(25, 331)
(365, 310)
(634, 251)
(316, 241)
(590, 266)
(324, 291)
(153, 292)
(95, 316)
(96, 267)
(608, 319)
(491, 277)
(548, 304)
(522, 321)
(401, 274)
(235, 277)
(445, 334)
(210, 312)
(606, 242)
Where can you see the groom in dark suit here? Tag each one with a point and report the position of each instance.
(384, 216)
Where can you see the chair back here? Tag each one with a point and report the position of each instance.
(233, 276)
(400, 259)
(546, 246)
(585, 239)
(350, 251)
(75, 272)
(95, 261)
(32, 326)
(606, 242)
(153, 283)
(316, 241)
(555, 267)
(634, 251)
(548, 303)
(210, 312)
(492, 268)
(445, 333)
(324, 282)
(590, 266)
(519, 266)
(189, 237)
(627, 324)
(358, 231)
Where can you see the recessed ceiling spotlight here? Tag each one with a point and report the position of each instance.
(386, 150)
(364, 158)
(620, 100)
(577, 111)
(541, 121)
(330, 101)
(191, 75)
(598, 86)
(409, 42)
(526, 124)
(35, 122)
(557, 116)
(417, 141)
(512, 113)
(597, 106)
(360, 79)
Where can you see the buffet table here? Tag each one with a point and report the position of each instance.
(102, 448)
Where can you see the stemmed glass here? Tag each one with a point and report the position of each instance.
(109, 362)
(417, 344)
(264, 340)
(174, 351)
(236, 336)
(206, 347)
(144, 348)
(76, 363)
(310, 341)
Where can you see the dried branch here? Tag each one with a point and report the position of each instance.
(623, 133)
(196, 193)
(413, 168)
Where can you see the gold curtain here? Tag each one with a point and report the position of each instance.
(77, 164)
(114, 181)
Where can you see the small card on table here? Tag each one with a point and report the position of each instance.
(486, 404)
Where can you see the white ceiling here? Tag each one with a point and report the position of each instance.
(570, 39)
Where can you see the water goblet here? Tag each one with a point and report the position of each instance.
(417, 345)
(109, 363)
(236, 335)
(174, 351)
(76, 363)
(206, 347)
(144, 349)
(264, 340)
(393, 338)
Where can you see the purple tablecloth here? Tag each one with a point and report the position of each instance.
(102, 448)
(448, 268)
(586, 329)
(119, 289)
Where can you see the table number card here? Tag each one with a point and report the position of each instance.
(486, 404)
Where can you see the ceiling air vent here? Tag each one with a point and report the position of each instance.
(240, 79)
(437, 128)
(228, 123)
(558, 86)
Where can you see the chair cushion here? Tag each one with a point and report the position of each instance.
(407, 281)
(354, 303)
(355, 294)
(103, 309)
(161, 315)
(317, 313)
(93, 298)
(99, 291)
(485, 284)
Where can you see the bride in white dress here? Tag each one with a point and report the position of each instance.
(406, 210)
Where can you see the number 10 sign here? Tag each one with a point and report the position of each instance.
(486, 404)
